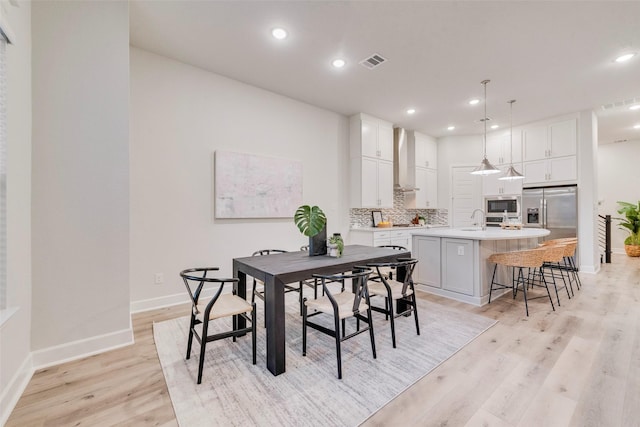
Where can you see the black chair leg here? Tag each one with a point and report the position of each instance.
(548, 293)
(190, 341)
(524, 289)
(371, 334)
(338, 348)
(392, 320)
(415, 313)
(493, 278)
(304, 328)
(203, 347)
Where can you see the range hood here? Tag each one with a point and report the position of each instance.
(403, 175)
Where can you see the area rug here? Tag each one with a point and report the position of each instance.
(236, 393)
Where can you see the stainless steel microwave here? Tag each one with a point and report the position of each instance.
(497, 206)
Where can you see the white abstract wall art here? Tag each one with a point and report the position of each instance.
(249, 186)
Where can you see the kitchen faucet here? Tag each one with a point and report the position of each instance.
(484, 218)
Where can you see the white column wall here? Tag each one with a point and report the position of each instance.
(180, 115)
(589, 256)
(617, 164)
(15, 365)
(80, 205)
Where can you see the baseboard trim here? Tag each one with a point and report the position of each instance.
(165, 301)
(159, 302)
(15, 388)
(82, 348)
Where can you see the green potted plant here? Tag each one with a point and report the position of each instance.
(631, 223)
(312, 222)
(336, 245)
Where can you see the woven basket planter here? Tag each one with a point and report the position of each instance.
(632, 250)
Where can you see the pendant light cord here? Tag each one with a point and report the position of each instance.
(484, 82)
(511, 131)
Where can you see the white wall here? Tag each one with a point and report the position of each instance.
(588, 253)
(15, 368)
(80, 205)
(617, 164)
(180, 115)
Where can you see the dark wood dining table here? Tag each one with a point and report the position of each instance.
(276, 270)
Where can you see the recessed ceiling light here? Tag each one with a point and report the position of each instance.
(411, 111)
(279, 33)
(625, 57)
(635, 107)
(338, 63)
(451, 128)
(474, 101)
(636, 127)
(494, 126)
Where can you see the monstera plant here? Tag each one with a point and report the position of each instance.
(312, 222)
(631, 223)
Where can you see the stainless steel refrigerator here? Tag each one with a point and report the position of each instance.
(553, 208)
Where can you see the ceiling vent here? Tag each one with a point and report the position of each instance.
(618, 104)
(373, 61)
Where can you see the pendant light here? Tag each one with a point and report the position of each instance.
(511, 173)
(485, 167)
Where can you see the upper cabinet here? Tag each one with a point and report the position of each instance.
(500, 149)
(492, 185)
(426, 151)
(371, 148)
(423, 155)
(371, 137)
(548, 141)
(550, 153)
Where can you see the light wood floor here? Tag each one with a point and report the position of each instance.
(577, 366)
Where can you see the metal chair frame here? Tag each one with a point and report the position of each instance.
(408, 264)
(361, 293)
(204, 337)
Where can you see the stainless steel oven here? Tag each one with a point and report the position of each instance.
(496, 207)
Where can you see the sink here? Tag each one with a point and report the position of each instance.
(471, 229)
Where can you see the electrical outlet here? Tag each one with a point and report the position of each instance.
(460, 250)
(159, 278)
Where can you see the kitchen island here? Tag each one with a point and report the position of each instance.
(453, 261)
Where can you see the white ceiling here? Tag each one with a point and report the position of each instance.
(552, 57)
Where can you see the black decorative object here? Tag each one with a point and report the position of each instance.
(312, 222)
(318, 243)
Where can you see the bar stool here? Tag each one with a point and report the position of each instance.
(553, 256)
(531, 258)
(568, 263)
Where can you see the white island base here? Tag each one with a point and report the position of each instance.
(453, 262)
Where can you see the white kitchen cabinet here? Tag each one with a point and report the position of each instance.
(426, 151)
(371, 183)
(499, 147)
(492, 185)
(426, 197)
(563, 138)
(422, 150)
(371, 137)
(534, 143)
(427, 250)
(458, 263)
(371, 147)
(549, 141)
(381, 238)
(551, 171)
